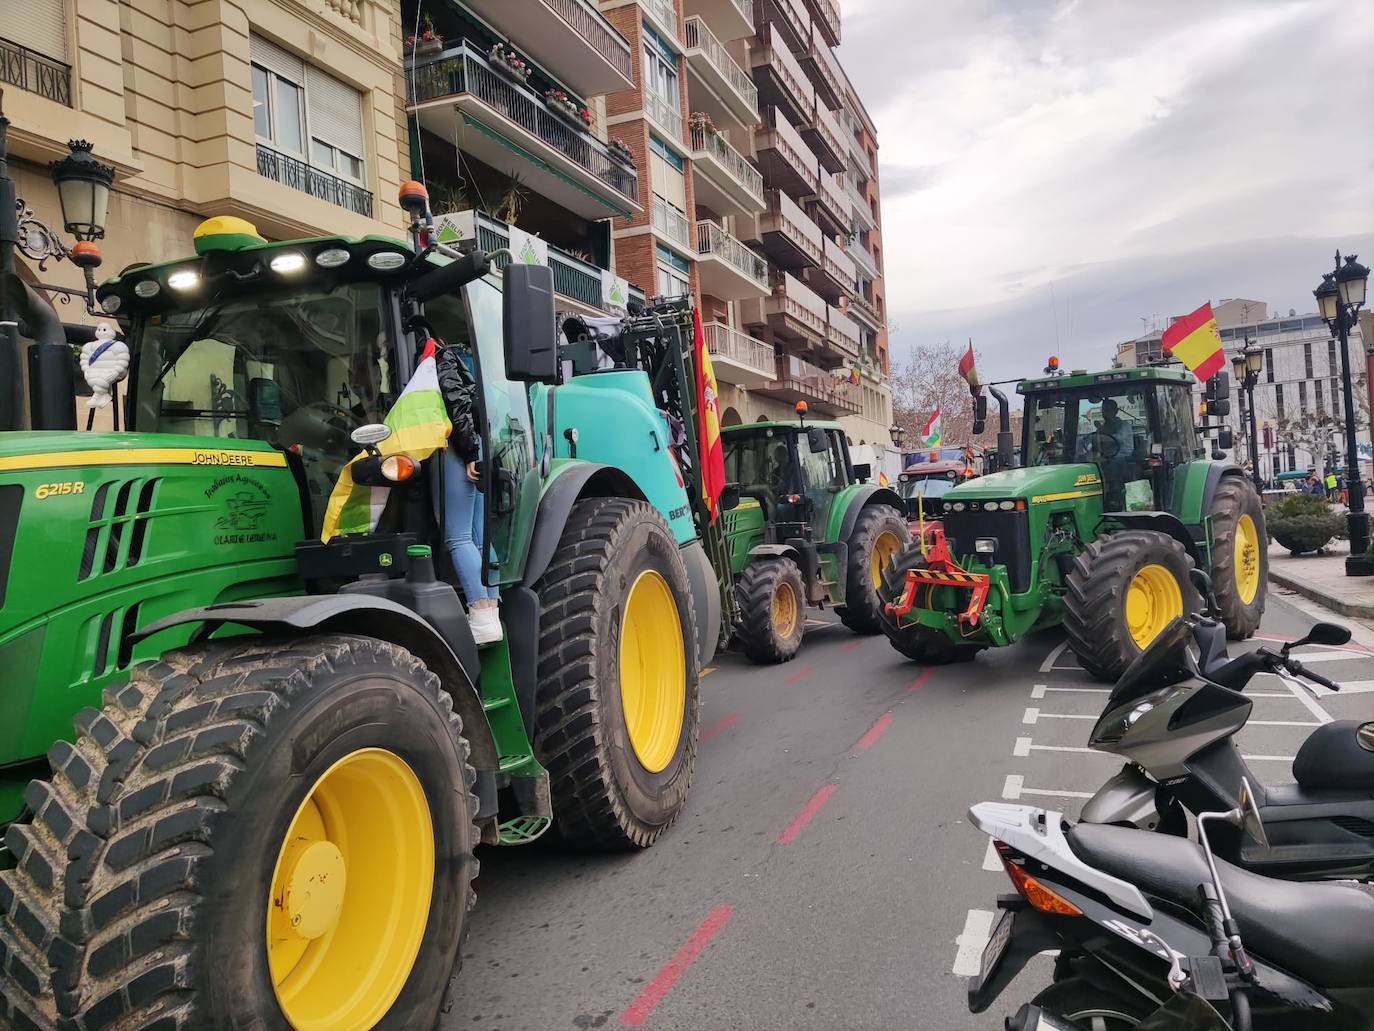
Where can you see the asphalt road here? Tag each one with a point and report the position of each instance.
(824, 875)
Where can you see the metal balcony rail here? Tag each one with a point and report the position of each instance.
(815, 381)
(591, 25)
(728, 342)
(34, 73)
(863, 304)
(298, 175)
(791, 74)
(745, 8)
(799, 301)
(713, 240)
(572, 277)
(863, 259)
(783, 214)
(665, 12)
(788, 142)
(840, 266)
(843, 332)
(672, 223)
(829, 128)
(829, 13)
(700, 37)
(739, 167)
(662, 111)
(461, 70)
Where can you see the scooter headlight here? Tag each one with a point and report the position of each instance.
(1114, 727)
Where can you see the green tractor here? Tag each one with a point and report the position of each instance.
(285, 750)
(805, 531)
(1099, 530)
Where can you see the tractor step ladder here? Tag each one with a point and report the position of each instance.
(515, 758)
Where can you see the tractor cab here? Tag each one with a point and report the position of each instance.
(791, 471)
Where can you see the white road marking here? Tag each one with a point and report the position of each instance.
(1048, 664)
(968, 960)
(1031, 716)
(1347, 687)
(1287, 723)
(1079, 690)
(1268, 758)
(1309, 702)
(1064, 715)
(1038, 691)
(1056, 793)
(1011, 788)
(1331, 656)
(991, 861)
(1022, 748)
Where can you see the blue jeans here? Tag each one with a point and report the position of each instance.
(463, 528)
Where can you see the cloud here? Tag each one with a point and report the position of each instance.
(1130, 158)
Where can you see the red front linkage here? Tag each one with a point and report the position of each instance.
(940, 570)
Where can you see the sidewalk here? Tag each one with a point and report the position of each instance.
(1322, 578)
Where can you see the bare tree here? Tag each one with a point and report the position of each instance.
(926, 379)
(1311, 432)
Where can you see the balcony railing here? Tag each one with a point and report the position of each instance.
(822, 68)
(783, 215)
(572, 277)
(859, 203)
(828, 128)
(460, 70)
(840, 266)
(673, 224)
(591, 25)
(863, 259)
(864, 306)
(727, 342)
(827, 16)
(713, 240)
(298, 175)
(831, 200)
(797, 374)
(796, 89)
(842, 332)
(700, 37)
(780, 136)
(791, 297)
(34, 73)
(662, 111)
(718, 147)
(746, 9)
(664, 13)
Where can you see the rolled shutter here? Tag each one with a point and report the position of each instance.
(336, 111)
(39, 25)
(272, 57)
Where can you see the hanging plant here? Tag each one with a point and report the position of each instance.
(428, 41)
(568, 109)
(621, 152)
(509, 63)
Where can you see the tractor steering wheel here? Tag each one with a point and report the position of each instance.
(1106, 445)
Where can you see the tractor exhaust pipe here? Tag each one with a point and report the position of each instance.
(1006, 446)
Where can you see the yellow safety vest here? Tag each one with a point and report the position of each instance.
(1330, 481)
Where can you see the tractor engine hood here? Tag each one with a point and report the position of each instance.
(1030, 483)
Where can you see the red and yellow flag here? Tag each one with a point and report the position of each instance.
(969, 370)
(708, 428)
(1195, 342)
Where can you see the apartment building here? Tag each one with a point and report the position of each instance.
(761, 200)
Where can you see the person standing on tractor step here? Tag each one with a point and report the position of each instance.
(463, 508)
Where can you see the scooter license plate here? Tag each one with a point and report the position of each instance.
(996, 946)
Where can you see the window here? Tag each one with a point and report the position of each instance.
(1278, 400)
(306, 113)
(1307, 359)
(1321, 401)
(660, 70)
(1269, 365)
(667, 174)
(674, 277)
(38, 25)
(1302, 396)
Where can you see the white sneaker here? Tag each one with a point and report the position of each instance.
(485, 624)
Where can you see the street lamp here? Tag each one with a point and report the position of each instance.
(1247, 364)
(898, 434)
(1339, 297)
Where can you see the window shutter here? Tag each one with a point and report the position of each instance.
(272, 57)
(668, 182)
(39, 25)
(336, 111)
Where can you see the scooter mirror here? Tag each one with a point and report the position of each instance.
(1325, 633)
(1250, 814)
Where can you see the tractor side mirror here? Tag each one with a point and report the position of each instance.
(531, 326)
(1226, 438)
(980, 414)
(815, 440)
(863, 471)
(729, 497)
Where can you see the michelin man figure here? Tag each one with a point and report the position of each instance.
(104, 361)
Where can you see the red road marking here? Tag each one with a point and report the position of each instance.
(806, 815)
(920, 681)
(876, 731)
(638, 1011)
(852, 645)
(804, 671)
(716, 728)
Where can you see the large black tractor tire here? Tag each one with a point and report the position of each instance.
(772, 610)
(922, 644)
(313, 793)
(1123, 589)
(619, 700)
(879, 535)
(1240, 556)
(1088, 1006)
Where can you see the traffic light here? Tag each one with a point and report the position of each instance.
(1218, 395)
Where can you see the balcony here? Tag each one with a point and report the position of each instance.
(794, 311)
(788, 235)
(34, 73)
(842, 332)
(728, 269)
(823, 134)
(663, 17)
(858, 205)
(788, 18)
(674, 229)
(864, 310)
(729, 19)
(780, 78)
(863, 259)
(298, 175)
(571, 38)
(458, 97)
(737, 357)
(574, 280)
(726, 182)
(826, 17)
(830, 206)
(787, 162)
(835, 278)
(798, 380)
(818, 62)
(729, 94)
(663, 113)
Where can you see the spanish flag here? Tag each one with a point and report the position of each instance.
(1193, 340)
(708, 422)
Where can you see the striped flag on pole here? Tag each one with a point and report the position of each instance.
(930, 432)
(419, 427)
(1194, 340)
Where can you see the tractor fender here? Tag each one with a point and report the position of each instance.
(868, 494)
(1161, 522)
(366, 616)
(1215, 472)
(576, 481)
(701, 576)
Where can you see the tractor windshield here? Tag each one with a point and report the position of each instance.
(299, 370)
(761, 462)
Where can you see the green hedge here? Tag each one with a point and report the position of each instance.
(1303, 522)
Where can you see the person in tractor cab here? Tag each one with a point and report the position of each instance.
(1112, 445)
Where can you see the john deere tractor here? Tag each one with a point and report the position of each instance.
(286, 749)
(806, 531)
(1116, 503)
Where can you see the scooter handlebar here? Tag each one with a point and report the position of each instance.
(1297, 667)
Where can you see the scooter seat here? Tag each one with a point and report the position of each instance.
(1331, 757)
(1323, 933)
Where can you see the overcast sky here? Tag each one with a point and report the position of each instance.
(1054, 170)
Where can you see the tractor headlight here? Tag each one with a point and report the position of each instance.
(386, 261)
(286, 264)
(1007, 506)
(147, 288)
(957, 506)
(332, 258)
(111, 304)
(985, 545)
(183, 280)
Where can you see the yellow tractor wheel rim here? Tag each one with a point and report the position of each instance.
(653, 671)
(784, 609)
(1153, 598)
(885, 547)
(350, 893)
(1247, 559)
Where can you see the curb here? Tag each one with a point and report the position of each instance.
(1355, 610)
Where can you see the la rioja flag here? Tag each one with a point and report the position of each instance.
(1194, 340)
(930, 432)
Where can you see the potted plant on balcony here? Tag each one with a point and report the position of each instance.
(427, 42)
(620, 152)
(700, 122)
(568, 109)
(508, 63)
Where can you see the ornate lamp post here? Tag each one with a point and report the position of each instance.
(898, 434)
(1339, 298)
(1246, 364)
